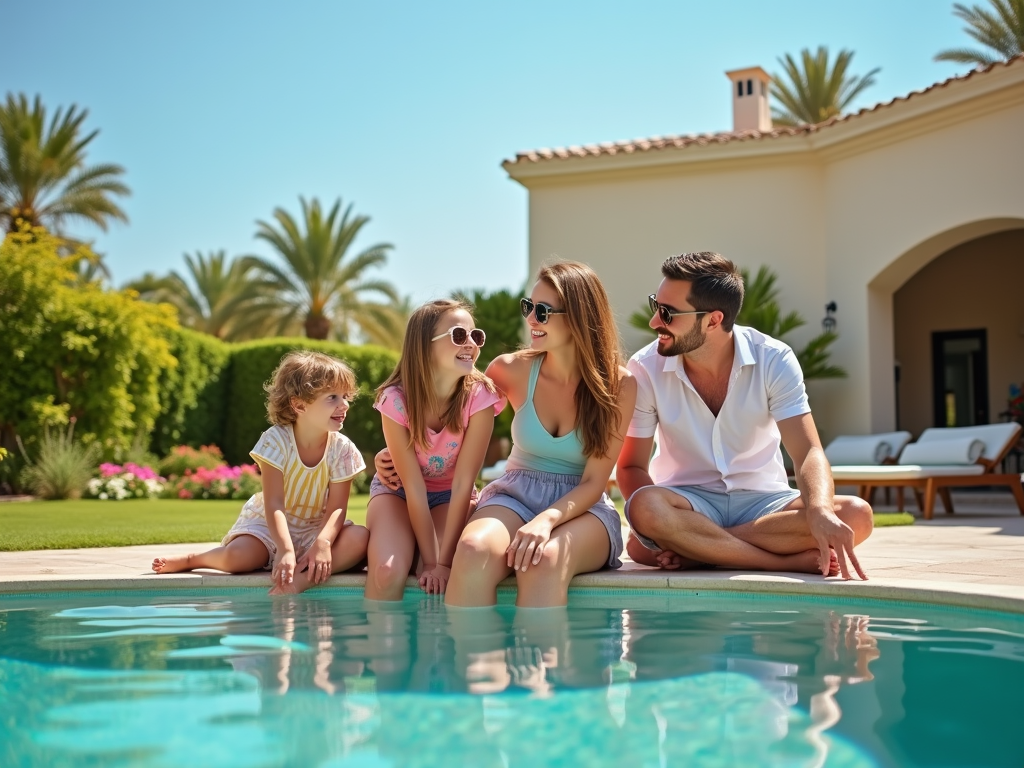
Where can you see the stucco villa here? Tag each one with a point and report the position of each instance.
(909, 216)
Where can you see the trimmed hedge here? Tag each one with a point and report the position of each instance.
(193, 393)
(252, 363)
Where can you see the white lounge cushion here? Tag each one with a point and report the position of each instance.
(487, 474)
(955, 450)
(868, 472)
(865, 449)
(995, 436)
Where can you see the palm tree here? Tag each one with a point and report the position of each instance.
(761, 311)
(384, 324)
(44, 180)
(1000, 28)
(226, 299)
(815, 93)
(317, 286)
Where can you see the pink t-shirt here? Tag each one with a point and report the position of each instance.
(438, 463)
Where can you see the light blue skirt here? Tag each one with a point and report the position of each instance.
(528, 493)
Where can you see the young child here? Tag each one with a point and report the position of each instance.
(438, 414)
(296, 526)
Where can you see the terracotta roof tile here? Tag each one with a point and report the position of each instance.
(655, 143)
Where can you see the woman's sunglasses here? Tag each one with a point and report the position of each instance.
(667, 314)
(543, 311)
(460, 336)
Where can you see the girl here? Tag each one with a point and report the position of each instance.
(296, 526)
(548, 518)
(438, 414)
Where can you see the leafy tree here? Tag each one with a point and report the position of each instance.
(813, 91)
(317, 286)
(44, 179)
(1000, 28)
(226, 299)
(761, 311)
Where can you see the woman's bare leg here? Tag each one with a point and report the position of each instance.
(480, 562)
(242, 554)
(578, 546)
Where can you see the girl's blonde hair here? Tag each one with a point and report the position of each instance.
(305, 375)
(415, 375)
(588, 314)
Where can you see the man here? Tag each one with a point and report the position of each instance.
(721, 398)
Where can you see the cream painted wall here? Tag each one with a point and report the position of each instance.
(847, 215)
(975, 285)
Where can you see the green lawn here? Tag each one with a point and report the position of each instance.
(91, 523)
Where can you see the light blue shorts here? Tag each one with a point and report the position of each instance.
(434, 498)
(726, 510)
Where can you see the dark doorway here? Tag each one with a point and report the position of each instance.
(960, 378)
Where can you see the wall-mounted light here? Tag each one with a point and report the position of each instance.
(829, 322)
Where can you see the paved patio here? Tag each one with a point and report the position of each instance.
(974, 558)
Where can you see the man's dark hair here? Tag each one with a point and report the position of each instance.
(715, 282)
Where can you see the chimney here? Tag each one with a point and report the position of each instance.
(750, 111)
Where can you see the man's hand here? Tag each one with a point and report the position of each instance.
(386, 471)
(831, 532)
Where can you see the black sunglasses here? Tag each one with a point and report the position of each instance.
(667, 314)
(543, 311)
(460, 336)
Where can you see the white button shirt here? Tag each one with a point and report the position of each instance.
(738, 450)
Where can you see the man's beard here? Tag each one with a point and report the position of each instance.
(691, 341)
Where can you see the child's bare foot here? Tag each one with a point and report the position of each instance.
(298, 585)
(809, 561)
(173, 564)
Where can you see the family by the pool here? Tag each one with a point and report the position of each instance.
(719, 399)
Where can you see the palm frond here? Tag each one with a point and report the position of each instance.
(999, 28)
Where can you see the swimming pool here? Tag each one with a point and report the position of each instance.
(620, 677)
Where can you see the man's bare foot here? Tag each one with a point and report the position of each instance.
(173, 564)
(658, 558)
(809, 561)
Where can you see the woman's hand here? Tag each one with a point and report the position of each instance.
(529, 542)
(434, 579)
(317, 560)
(386, 471)
(284, 567)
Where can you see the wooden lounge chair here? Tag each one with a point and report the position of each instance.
(869, 450)
(921, 466)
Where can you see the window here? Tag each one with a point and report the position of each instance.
(750, 87)
(739, 89)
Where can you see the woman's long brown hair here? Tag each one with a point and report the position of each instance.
(415, 376)
(592, 325)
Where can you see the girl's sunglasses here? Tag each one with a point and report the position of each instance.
(543, 311)
(667, 314)
(460, 336)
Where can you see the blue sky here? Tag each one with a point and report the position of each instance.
(222, 111)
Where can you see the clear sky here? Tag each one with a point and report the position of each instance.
(222, 111)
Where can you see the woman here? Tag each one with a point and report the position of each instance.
(548, 518)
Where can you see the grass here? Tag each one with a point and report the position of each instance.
(887, 519)
(91, 523)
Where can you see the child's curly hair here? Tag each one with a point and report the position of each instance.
(304, 375)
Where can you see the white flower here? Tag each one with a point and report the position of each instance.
(104, 496)
(94, 485)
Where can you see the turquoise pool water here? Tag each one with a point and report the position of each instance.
(619, 678)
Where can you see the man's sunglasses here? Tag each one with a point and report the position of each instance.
(543, 311)
(460, 336)
(667, 314)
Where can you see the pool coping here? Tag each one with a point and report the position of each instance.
(995, 597)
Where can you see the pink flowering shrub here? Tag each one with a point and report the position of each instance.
(221, 482)
(183, 458)
(128, 481)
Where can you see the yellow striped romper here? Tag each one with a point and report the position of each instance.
(305, 488)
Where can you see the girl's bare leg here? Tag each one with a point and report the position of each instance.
(242, 554)
(348, 550)
(392, 545)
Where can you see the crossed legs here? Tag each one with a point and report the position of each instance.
(780, 541)
(578, 546)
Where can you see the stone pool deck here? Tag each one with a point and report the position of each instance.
(974, 558)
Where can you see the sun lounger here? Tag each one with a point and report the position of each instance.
(869, 450)
(941, 459)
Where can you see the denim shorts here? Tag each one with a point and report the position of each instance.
(528, 493)
(726, 510)
(434, 498)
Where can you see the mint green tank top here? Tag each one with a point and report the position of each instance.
(533, 447)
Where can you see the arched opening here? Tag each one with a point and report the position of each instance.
(929, 304)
